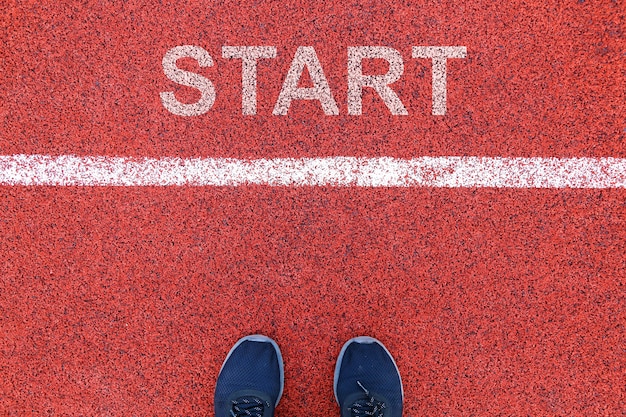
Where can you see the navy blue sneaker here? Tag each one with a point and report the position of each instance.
(251, 380)
(367, 380)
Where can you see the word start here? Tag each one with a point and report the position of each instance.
(306, 56)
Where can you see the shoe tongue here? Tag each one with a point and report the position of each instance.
(248, 406)
(367, 407)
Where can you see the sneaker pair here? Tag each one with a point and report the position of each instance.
(367, 381)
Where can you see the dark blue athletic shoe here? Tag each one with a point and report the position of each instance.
(367, 380)
(251, 380)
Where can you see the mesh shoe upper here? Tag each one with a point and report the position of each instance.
(367, 381)
(251, 380)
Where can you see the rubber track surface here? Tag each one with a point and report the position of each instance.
(123, 301)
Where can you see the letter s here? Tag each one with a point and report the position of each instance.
(188, 79)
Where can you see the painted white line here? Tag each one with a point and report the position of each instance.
(449, 171)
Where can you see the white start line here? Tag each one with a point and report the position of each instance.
(339, 171)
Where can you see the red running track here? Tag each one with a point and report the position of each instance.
(120, 301)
